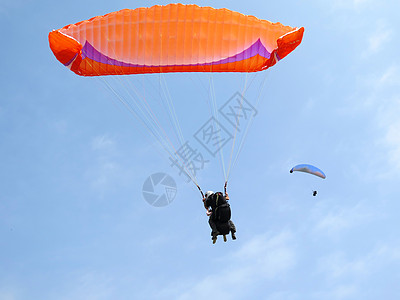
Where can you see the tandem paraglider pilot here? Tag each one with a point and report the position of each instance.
(219, 212)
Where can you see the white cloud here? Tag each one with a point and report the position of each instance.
(351, 4)
(103, 142)
(390, 77)
(392, 139)
(103, 174)
(350, 277)
(381, 80)
(337, 267)
(344, 291)
(90, 285)
(8, 6)
(377, 99)
(106, 171)
(9, 294)
(378, 39)
(263, 257)
(375, 92)
(60, 126)
(387, 103)
(343, 218)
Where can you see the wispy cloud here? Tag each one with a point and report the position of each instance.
(105, 170)
(376, 99)
(6, 6)
(103, 142)
(9, 294)
(343, 218)
(351, 4)
(387, 103)
(377, 40)
(338, 266)
(88, 285)
(60, 126)
(390, 77)
(339, 291)
(392, 139)
(266, 256)
(347, 277)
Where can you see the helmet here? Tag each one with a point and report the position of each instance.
(208, 194)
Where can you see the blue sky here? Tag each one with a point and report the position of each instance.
(73, 220)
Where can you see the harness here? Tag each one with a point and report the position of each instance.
(223, 210)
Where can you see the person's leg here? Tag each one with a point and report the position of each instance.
(214, 230)
(233, 229)
(232, 226)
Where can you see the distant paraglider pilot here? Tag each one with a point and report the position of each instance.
(310, 169)
(220, 215)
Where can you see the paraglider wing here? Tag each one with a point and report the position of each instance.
(172, 38)
(166, 39)
(308, 169)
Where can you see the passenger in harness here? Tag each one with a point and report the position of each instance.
(220, 215)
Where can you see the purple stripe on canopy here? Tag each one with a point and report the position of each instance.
(257, 48)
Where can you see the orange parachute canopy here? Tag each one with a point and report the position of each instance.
(172, 38)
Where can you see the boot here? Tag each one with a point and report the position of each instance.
(224, 238)
(214, 239)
